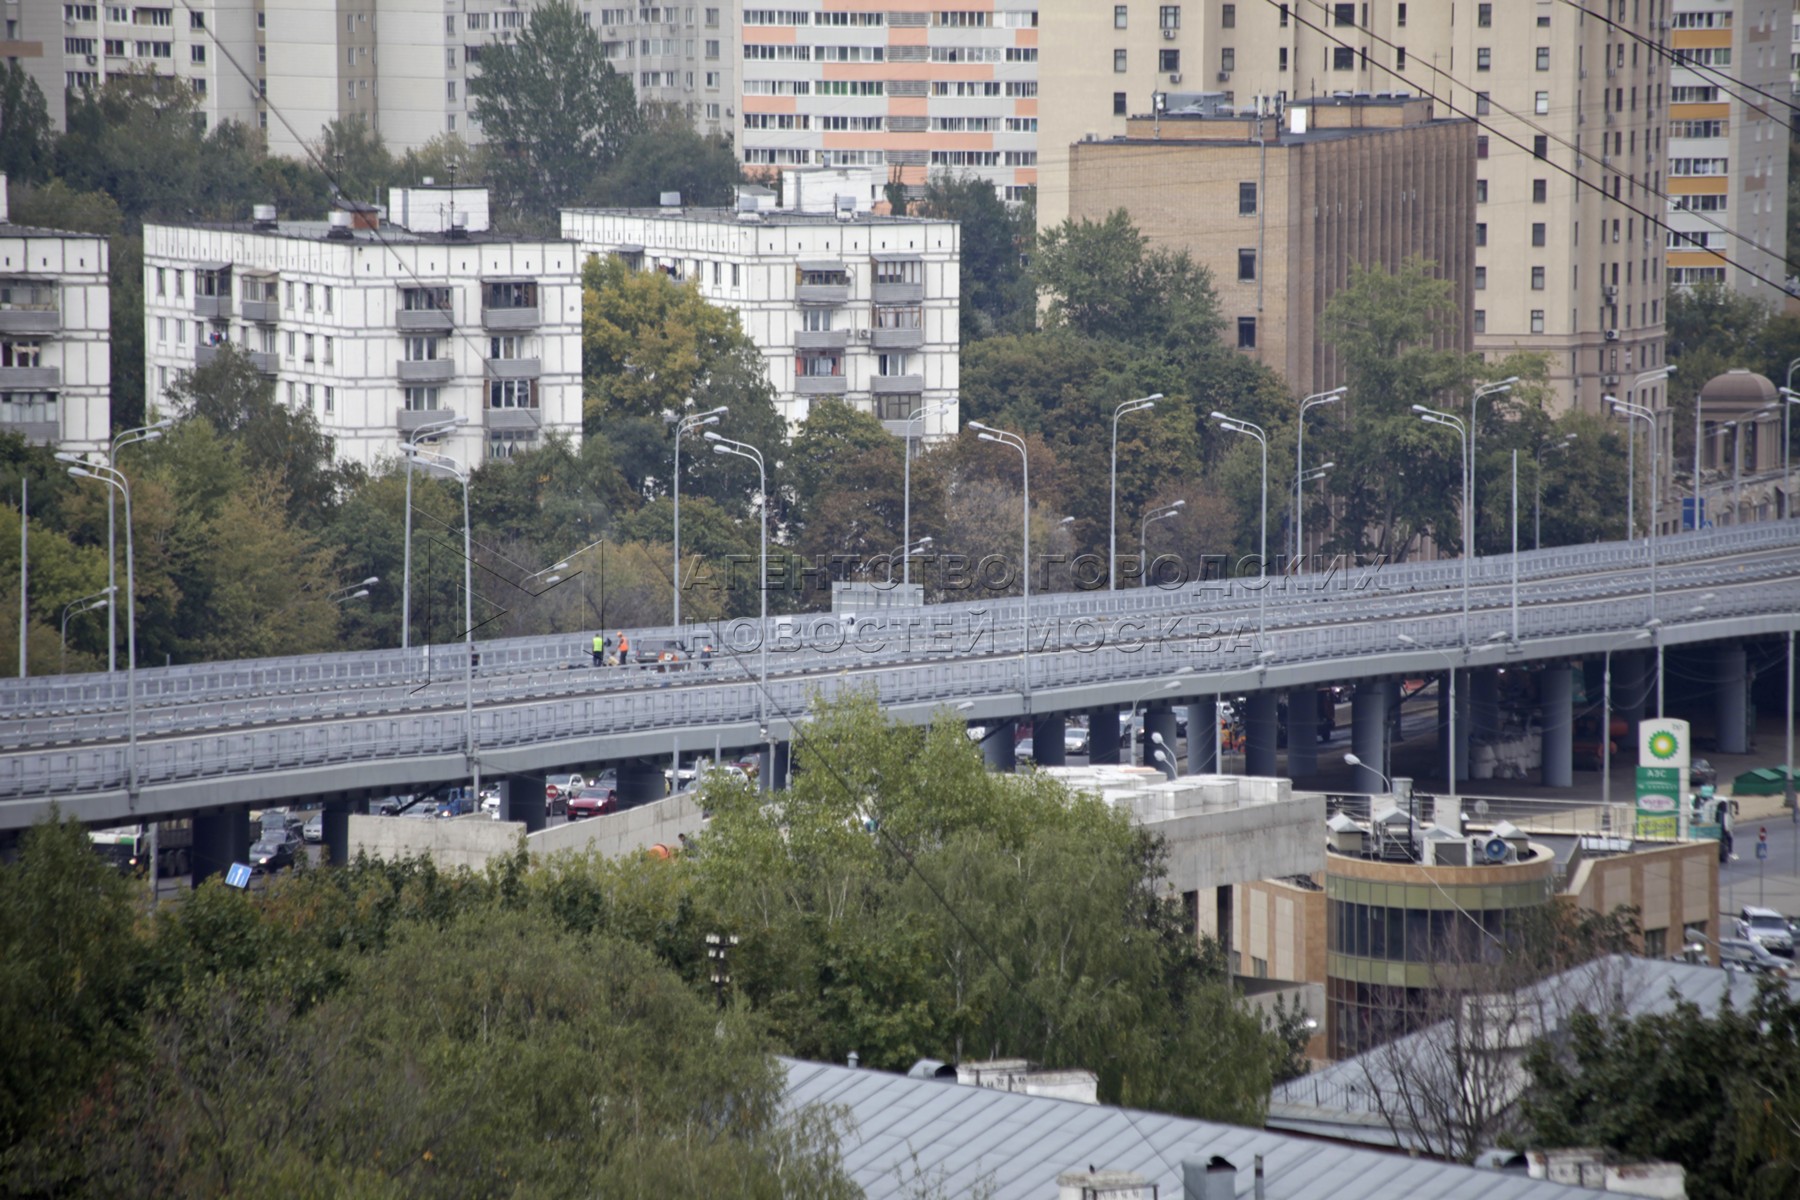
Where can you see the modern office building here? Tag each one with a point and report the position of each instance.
(55, 340)
(1728, 148)
(1571, 153)
(908, 86)
(841, 302)
(377, 327)
(1260, 201)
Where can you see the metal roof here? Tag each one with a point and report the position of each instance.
(901, 1134)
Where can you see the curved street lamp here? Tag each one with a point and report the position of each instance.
(1112, 529)
(988, 433)
(724, 445)
(425, 432)
(1306, 404)
(1234, 425)
(1432, 416)
(432, 460)
(114, 479)
(906, 488)
(1152, 516)
(100, 599)
(683, 425)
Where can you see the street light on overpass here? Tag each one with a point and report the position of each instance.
(1432, 416)
(1112, 534)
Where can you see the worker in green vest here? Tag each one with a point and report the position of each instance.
(599, 649)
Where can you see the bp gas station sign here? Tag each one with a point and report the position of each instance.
(1661, 774)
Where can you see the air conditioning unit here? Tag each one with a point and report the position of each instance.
(1612, 335)
(865, 334)
(1174, 79)
(1610, 381)
(1610, 292)
(92, 60)
(1169, 34)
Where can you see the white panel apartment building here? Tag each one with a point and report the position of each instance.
(865, 308)
(378, 331)
(55, 365)
(914, 86)
(1727, 149)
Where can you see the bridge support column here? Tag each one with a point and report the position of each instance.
(1103, 737)
(1454, 757)
(1484, 703)
(1203, 736)
(641, 782)
(522, 799)
(1261, 733)
(997, 747)
(1047, 745)
(1303, 732)
(220, 839)
(335, 822)
(1731, 690)
(1368, 735)
(1631, 684)
(1556, 698)
(1159, 721)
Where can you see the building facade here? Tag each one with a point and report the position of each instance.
(379, 329)
(55, 340)
(858, 306)
(907, 86)
(1258, 200)
(1571, 153)
(1727, 146)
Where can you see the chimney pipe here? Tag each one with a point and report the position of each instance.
(1214, 1179)
(853, 1061)
(1259, 1178)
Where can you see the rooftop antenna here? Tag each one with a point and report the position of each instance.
(453, 165)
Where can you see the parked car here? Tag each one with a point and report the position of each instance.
(272, 852)
(1702, 773)
(1075, 740)
(1739, 954)
(592, 802)
(1767, 928)
(314, 829)
(562, 787)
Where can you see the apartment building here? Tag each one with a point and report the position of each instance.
(55, 344)
(1570, 157)
(842, 303)
(1262, 188)
(377, 328)
(1727, 146)
(910, 86)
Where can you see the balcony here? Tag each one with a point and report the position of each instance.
(425, 370)
(408, 419)
(511, 318)
(514, 418)
(216, 308)
(425, 320)
(36, 433)
(898, 339)
(514, 368)
(821, 339)
(820, 385)
(262, 360)
(265, 312)
(823, 293)
(899, 293)
(888, 385)
(30, 378)
(30, 320)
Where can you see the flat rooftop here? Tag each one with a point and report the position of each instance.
(387, 235)
(765, 216)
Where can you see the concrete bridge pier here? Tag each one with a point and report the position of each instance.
(1047, 745)
(641, 782)
(1303, 732)
(1203, 736)
(522, 799)
(1556, 696)
(1103, 736)
(1159, 720)
(1262, 731)
(1484, 703)
(335, 820)
(1731, 691)
(1632, 684)
(997, 747)
(1368, 734)
(220, 839)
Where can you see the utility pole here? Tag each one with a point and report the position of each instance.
(718, 948)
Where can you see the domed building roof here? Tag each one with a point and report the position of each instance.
(1737, 391)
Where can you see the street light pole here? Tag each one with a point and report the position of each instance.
(906, 489)
(1112, 534)
(1606, 717)
(430, 429)
(1234, 425)
(1451, 421)
(124, 438)
(686, 424)
(1151, 516)
(1493, 389)
(1640, 412)
(1455, 756)
(989, 434)
(724, 445)
(115, 479)
(76, 608)
(1310, 402)
(1537, 520)
(1789, 398)
(450, 467)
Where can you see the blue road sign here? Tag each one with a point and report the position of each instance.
(1762, 851)
(238, 876)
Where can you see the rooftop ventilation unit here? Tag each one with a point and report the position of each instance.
(262, 216)
(339, 227)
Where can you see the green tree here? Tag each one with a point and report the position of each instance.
(26, 138)
(356, 159)
(996, 295)
(669, 155)
(555, 113)
(1711, 330)
(1102, 279)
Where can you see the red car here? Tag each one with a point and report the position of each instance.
(591, 802)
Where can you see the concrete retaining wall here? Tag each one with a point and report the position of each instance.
(622, 833)
(463, 842)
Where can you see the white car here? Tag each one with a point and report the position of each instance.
(1767, 928)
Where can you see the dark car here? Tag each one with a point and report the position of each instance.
(592, 801)
(273, 852)
(1702, 774)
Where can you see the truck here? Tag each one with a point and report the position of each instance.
(127, 847)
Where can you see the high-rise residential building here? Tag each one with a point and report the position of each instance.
(909, 86)
(1571, 151)
(842, 302)
(55, 339)
(377, 328)
(1266, 185)
(1728, 149)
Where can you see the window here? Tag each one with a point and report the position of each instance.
(1281, 58)
(1119, 104)
(1246, 265)
(328, 297)
(1481, 320)
(1399, 15)
(309, 297)
(505, 443)
(1246, 333)
(196, 20)
(818, 366)
(910, 271)
(1118, 62)
(1481, 191)
(329, 358)
(1542, 104)
(309, 395)
(816, 320)
(1482, 104)
(897, 406)
(1481, 146)
(1540, 146)
(1484, 16)
(1227, 17)
(1246, 199)
(418, 349)
(1169, 16)
(1656, 943)
(519, 294)
(1543, 58)
(309, 348)
(1481, 279)
(1119, 15)
(1170, 60)
(505, 347)
(1537, 233)
(896, 317)
(1343, 15)
(1343, 58)
(420, 399)
(1537, 320)
(1540, 191)
(330, 398)
(1537, 279)
(162, 329)
(1484, 59)
(892, 364)
(1399, 58)
(1284, 15)
(512, 393)
(1481, 233)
